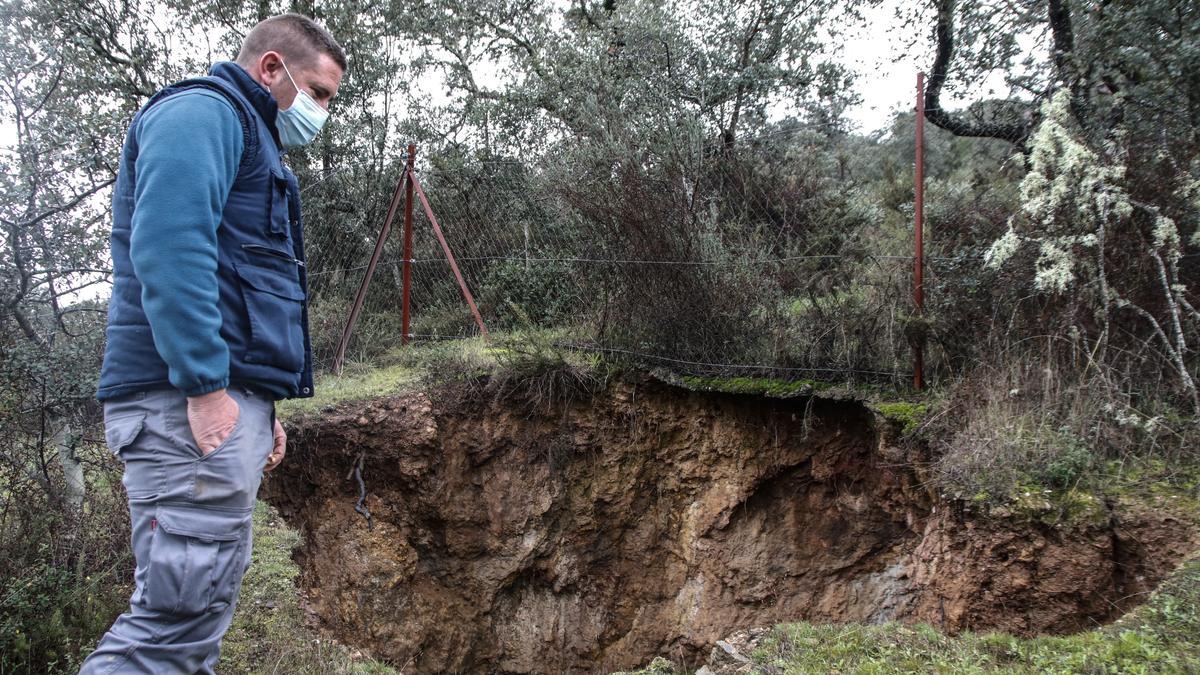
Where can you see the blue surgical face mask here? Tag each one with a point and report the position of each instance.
(299, 124)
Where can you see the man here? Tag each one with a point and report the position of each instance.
(207, 327)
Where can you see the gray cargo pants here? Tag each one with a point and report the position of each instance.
(191, 529)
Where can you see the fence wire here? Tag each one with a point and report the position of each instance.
(741, 266)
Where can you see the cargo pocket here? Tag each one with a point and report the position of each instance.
(120, 432)
(196, 559)
(274, 305)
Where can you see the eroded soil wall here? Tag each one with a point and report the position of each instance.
(650, 520)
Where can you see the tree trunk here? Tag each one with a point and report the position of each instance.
(65, 439)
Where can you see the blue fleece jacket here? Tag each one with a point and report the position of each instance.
(190, 148)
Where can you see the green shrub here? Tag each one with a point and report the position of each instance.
(50, 618)
(541, 291)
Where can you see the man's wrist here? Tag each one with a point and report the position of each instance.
(205, 400)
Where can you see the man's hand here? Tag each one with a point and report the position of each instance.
(212, 417)
(280, 447)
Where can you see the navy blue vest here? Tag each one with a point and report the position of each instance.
(260, 261)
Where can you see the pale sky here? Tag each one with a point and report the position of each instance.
(887, 70)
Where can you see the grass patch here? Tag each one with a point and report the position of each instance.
(1161, 636)
(907, 414)
(506, 357)
(269, 633)
(393, 371)
(1155, 481)
(532, 351)
(1150, 482)
(756, 385)
(351, 385)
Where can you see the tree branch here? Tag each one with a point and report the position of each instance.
(1016, 132)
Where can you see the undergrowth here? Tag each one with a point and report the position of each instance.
(63, 577)
(1004, 433)
(50, 618)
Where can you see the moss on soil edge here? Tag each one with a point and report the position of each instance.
(906, 410)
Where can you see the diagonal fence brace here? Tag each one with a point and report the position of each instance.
(437, 230)
(340, 356)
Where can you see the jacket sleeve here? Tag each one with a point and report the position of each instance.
(190, 146)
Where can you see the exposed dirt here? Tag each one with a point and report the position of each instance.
(655, 520)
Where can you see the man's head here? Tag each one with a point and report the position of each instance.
(315, 60)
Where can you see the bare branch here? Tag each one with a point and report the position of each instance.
(76, 201)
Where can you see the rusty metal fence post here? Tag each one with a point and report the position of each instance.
(919, 254)
(408, 243)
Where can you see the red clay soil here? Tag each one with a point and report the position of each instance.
(652, 520)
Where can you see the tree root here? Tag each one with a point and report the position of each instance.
(359, 507)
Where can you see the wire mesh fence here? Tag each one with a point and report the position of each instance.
(789, 253)
(728, 266)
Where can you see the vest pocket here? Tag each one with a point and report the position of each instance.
(195, 559)
(280, 218)
(274, 306)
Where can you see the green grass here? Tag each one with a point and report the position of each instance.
(351, 385)
(269, 633)
(412, 365)
(407, 366)
(1156, 481)
(400, 368)
(1150, 482)
(756, 385)
(908, 414)
(1162, 636)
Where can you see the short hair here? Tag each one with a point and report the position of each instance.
(297, 37)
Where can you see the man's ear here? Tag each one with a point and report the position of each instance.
(270, 68)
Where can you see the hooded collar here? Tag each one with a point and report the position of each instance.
(255, 93)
